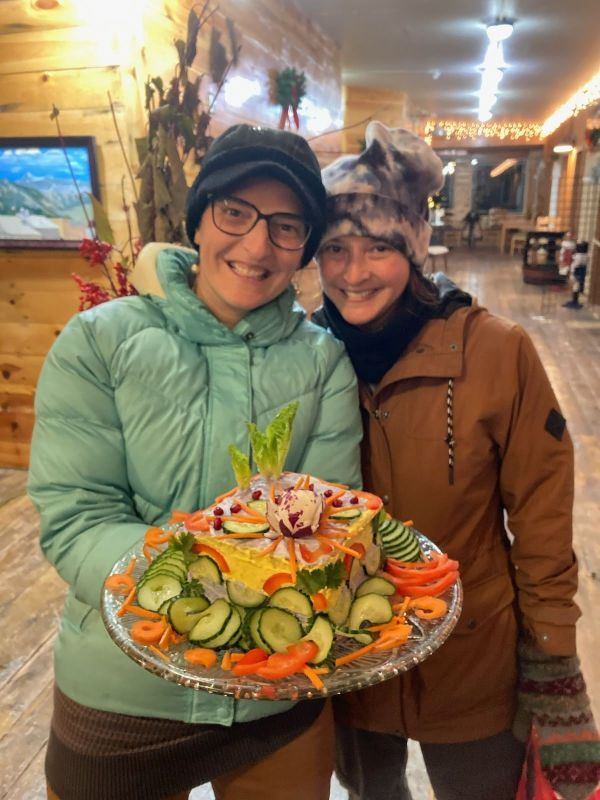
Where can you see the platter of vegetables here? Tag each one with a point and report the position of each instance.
(285, 644)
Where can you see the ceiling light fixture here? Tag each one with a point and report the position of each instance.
(493, 66)
(562, 148)
(499, 30)
(502, 167)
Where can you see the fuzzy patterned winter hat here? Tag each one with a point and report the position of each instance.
(383, 192)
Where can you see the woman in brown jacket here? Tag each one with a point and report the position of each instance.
(461, 428)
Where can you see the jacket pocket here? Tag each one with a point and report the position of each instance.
(482, 601)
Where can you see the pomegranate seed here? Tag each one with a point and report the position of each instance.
(256, 494)
(235, 508)
(218, 524)
(277, 499)
(337, 503)
(218, 511)
(327, 493)
(354, 500)
(311, 486)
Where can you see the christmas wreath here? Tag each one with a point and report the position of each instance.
(287, 89)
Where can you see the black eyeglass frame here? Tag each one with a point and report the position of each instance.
(213, 198)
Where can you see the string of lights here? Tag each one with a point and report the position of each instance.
(584, 97)
(461, 130)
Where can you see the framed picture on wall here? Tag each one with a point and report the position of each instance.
(45, 188)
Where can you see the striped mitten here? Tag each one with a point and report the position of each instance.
(552, 695)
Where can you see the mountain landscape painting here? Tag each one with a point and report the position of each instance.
(42, 186)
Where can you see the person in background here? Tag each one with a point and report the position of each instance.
(461, 428)
(136, 404)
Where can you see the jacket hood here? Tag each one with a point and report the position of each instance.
(165, 274)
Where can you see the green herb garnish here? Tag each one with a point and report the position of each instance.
(270, 448)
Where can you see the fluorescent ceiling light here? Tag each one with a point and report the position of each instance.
(502, 167)
(499, 31)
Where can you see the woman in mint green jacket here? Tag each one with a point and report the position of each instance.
(135, 407)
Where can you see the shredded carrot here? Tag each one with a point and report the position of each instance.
(292, 554)
(335, 496)
(163, 642)
(239, 536)
(373, 502)
(252, 511)
(272, 492)
(123, 610)
(119, 582)
(338, 546)
(270, 547)
(319, 602)
(235, 657)
(299, 482)
(362, 651)
(131, 566)
(226, 494)
(159, 653)
(177, 638)
(313, 677)
(400, 608)
(255, 520)
(307, 482)
(226, 661)
(408, 524)
(321, 670)
(178, 516)
(142, 612)
(147, 553)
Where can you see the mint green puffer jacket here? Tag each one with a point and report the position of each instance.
(136, 404)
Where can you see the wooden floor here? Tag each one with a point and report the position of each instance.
(31, 594)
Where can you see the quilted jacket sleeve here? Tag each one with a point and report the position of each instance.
(536, 481)
(78, 474)
(332, 451)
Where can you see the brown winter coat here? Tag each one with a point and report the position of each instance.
(504, 459)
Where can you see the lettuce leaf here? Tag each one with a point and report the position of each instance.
(241, 466)
(270, 448)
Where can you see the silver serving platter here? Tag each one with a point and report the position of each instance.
(368, 670)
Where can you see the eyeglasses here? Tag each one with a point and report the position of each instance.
(237, 218)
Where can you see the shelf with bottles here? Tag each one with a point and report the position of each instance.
(540, 257)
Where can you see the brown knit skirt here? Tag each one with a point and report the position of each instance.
(98, 755)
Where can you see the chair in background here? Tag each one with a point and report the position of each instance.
(517, 242)
(438, 251)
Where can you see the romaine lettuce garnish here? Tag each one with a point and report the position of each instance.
(241, 466)
(270, 448)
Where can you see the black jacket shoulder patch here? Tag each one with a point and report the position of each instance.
(555, 424)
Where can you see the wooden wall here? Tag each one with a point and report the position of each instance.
(361, 103)
(72, 57)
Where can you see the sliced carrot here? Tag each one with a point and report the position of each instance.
(292, 553)
(197, 522)
(147, 553)
(336, 485)
(164, 639)
(159, 653)
(319, 602)
(226, 661)
(335, 496)
(373, 502)
(201, 656)
(307, 482)
(409, 523)
(239, 536)
(200, 547)
(428, 607)
(178, 516)
(321, 670)
(313, 677)
(131, 566)
(235, 657)
(269, 548)
(252, 511)
(123, 610)
(147, 631)
(362, 651)
(272, 492)
(120, 582)
(226, 494)
(276, 581)
(299, 482)
(143, 612)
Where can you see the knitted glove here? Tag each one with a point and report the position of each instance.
(552, 696)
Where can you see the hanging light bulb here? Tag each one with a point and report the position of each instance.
(499, 30)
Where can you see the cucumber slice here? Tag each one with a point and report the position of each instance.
(211, 622)
(399, 542)
(372, 559)
(339, 610)
(348, 514)
(370, 609)
(161, 571)
(278, 628)
(321, 633)
(254, 631)
(231, 630)
(259, 505)
(376, 586)
(246, 527)
(362, 637)
(242, 595)
(292, 600)
(185, 611)
(205, 568)
(157, 589)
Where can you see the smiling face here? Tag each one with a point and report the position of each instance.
(362, 277)
(240, 273)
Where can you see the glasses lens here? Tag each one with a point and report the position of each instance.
(288, 231)
(233, 216)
